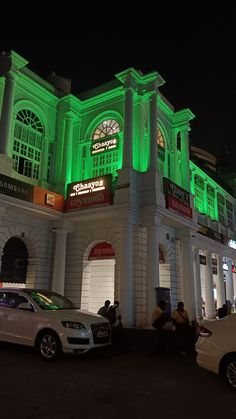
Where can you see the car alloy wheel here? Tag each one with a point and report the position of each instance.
(230, 371)
(49, 346)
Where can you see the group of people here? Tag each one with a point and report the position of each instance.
(178, 320)
(112, 313)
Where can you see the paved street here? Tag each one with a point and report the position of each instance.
(113, 385)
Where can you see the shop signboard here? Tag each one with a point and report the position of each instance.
(104, 144)
(48, 199)
(15, 188)
(178, 206)
(89, 193)
(175, 191)
(206, 231)
(102, 250)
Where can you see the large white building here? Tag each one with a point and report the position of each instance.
(99, 198)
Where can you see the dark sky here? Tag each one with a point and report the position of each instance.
(191, 44)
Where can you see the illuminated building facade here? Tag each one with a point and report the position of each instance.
(99, 198)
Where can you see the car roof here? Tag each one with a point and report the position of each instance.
(14, 289)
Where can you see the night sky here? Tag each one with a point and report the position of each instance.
(191, 44)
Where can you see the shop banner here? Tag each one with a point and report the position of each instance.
(178, 206)
(90, 200)
(102, 250)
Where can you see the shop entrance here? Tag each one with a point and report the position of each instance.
(98, 277)
(14, 262)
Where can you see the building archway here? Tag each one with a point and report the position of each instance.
(98, 282)
(14, 262)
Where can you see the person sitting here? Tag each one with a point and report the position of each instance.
(222, 311)
(185, 338)
(103, 310)
(159, 316)
(114, 315)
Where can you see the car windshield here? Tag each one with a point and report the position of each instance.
(47, 300)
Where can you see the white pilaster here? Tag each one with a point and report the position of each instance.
(185, 159)
(128, 129)
(153, 279)
(126, 274)
(220, 282)
(197, 284)
(209, 294)
(67, 154)
(188, 278)
(153, 130)
(6, 115)
(58, 279)
(229, 282)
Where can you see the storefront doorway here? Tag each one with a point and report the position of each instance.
(98, 277)
(14, 262)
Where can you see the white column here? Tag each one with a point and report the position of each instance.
(6, 115)
(58, 279)
(188, 278)
(153, 131)
(128, 129)
(197, 284)
(153, 277)
(185, 159)
(67, 154)
(229, 282)
(220, 282)
(126, 274)
(209, 294)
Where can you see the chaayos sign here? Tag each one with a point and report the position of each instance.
(89, 193)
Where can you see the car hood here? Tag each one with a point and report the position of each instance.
(77, 315)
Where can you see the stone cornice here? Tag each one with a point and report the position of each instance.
(11, 61)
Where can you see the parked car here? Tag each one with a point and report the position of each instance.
(50, 322)
(216, 347)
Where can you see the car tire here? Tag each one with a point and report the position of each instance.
(49, 345)
(229, 371)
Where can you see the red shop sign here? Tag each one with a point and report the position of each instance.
(102, 250)
(178, 206)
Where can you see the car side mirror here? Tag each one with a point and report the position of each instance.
(25, 306)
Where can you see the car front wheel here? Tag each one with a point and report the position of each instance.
(49, 345)
(230, 371)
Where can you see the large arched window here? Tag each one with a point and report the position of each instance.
(27, 145)
(106, 148)
(160, 138)
(161, 150)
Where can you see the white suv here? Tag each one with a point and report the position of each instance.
(50, 322)
(216, 347)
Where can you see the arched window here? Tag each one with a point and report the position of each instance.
(27, 145)
(160, 138)
(108, 127)
(106, 155)
(161, 150)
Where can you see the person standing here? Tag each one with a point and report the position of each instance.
(184, 335)
(103, 310)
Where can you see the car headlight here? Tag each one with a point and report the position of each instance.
(73, 325)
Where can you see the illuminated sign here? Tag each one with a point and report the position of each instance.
(89, 193)
(232, 244)
(104, 145)
(225, 267)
